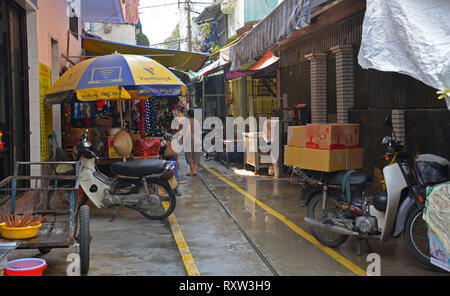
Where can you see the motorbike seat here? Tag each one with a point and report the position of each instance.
(357, 178)
(139, 168)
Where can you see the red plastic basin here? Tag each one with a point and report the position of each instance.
(25, 267)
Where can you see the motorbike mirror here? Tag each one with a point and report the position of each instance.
(386, 140)
(85, 135)
(388, 120)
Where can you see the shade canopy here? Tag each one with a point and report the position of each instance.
(263, 63)
(115, 77)
(283, 20)
(180, 60)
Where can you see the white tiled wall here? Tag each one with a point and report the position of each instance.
(34, 97)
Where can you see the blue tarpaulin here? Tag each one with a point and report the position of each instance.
(257, 10)
(101, 11)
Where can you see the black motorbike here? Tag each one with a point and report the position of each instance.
(338, 206)
(145, 185)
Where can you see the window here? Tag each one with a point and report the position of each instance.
(73, 26)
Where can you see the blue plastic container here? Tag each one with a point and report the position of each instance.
(176, 168)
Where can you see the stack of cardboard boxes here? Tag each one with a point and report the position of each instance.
(324, 147)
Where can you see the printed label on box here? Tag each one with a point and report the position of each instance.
(332, 136)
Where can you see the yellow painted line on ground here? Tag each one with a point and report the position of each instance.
(186, 256)
(332, 253)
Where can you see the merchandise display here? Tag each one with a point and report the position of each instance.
(145, 121)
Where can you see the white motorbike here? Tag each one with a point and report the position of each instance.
(338, 206)
(144, 185)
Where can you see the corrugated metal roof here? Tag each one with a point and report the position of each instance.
(209, 14)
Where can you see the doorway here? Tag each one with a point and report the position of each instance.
(14, 119)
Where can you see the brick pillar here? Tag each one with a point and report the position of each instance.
(399, 125)
(344, 81)
(318, 62)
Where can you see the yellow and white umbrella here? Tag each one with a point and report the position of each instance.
(115, 77)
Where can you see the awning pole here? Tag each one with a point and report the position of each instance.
(121, 117)
(121, 123)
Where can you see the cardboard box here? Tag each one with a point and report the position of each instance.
(292, 156)
(297, 136)
(324, 160)
(332, 136)
(354, 158)
(316, 159)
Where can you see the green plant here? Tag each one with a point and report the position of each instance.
(142, 40)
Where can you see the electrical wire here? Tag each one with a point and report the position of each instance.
(167, 4)
(183, 30)
(169, 42)
(182, 25)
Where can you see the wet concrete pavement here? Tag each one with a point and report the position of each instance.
(216, 244)
(289, 252)
(133, 245)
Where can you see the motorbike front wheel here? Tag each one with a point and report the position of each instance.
(416, 237)
(166, 197)
(332, 211)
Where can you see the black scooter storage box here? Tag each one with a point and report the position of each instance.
(432, 172)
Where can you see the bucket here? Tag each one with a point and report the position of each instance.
(25, 267)
(19, 232)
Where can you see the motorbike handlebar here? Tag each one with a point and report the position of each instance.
(395, 147)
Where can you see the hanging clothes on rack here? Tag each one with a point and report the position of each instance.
(151, 118)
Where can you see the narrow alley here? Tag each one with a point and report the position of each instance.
(256, 228)
(273, 139)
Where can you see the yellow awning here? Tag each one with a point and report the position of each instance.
(218, 51)
(181, 60)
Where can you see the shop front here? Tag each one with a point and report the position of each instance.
(147, 122)
(126, 103)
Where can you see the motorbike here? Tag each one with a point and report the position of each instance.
(338, 206)
(146, 185)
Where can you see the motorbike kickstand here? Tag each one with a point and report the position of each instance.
(116, 209)
(359, 244)
(368, 247)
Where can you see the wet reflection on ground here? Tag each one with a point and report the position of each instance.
(290, 253)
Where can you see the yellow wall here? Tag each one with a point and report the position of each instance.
(263, 108)
(260, 107)
(234, 109)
